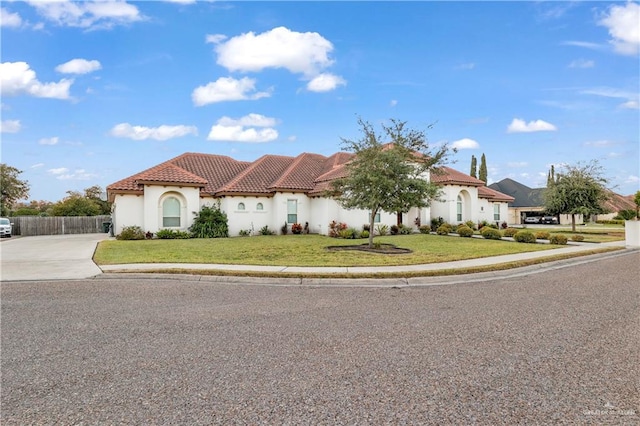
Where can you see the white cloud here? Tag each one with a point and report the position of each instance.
(292, 138)
(623, 23)
(58, 171)
(227, 89)
(215, 38)
(632, 179)
(300, 53)
(325, 82)
(600, 143)
(37, 166)
(18, 78)
(49, 141)
(161, 133)
(240, 130)
(8, 19)
(10, 126)
(631, 98)
(465, 143)
(582, 63)
(630, 105)
(88, 14)
(393, 103)
(585, 44)
(181, 1)
(520, 126)
(79, 66)
(63, 173)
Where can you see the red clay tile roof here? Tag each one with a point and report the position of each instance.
(259, 176)
(453, 177)
(170, 173)
(493, 195)
(301, 174)
(617, 202)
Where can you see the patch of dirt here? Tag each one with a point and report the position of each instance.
(382, 249)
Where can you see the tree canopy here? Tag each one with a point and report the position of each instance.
(482, 173)
(79, 204)
(474, 166)
(12, 188)
(578, 189)
(389, 171)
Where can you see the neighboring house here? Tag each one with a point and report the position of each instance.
(274, 190)
(614, 205)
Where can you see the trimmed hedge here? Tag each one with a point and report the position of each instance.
(525, 237)
(490, 233)
(558, 239)
(577, 237)
(465, 231)
(542, 235)
(510, 232)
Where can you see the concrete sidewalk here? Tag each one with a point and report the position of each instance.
(460, 264)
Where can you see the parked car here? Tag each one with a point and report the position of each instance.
(532, 219)
(551, 220)
(5, 227)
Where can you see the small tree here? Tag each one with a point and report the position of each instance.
(210, 222)
(636, 200)
(391, 177)
(580, 189)
(474, 166)
(12, 188)
(482, 173)
(76, 204)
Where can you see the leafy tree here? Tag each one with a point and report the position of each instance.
(94, 193)
(391, 177)
(474, 166)
(33, 208)
(12, 188)
(579, 189)
(636, 200)
(210, 222)
(483, 169)
(551, 177)
(76, 204)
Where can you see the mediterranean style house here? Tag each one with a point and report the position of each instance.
(274, 190)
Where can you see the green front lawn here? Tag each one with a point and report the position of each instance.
(304, 250)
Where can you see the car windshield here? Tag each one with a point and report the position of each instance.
(4, 222)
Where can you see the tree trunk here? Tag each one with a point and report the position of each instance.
(573, 223)
(371, 219)
(399, 218)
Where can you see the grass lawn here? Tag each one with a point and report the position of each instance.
(304, 250)
(591, 233)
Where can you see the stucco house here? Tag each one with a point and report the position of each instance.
(274, 190)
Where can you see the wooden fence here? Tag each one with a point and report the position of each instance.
(58, 225)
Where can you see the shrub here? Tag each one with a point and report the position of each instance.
(625, 215)
(210, 222)
(465, 231)
(148, 235)
(284, 229)
(244, 232)
(364, 234)
(525, 237)
(335, 228)
(471, 224)
(482, 224)
(443, 229)
(424, 229)
(435, 223)
(296, 228)
(577, 237)
(510, 232)
(492, 225)
(348, 233)
(172, 234)
(542, 235)
(610, 222)
(131, 233)
(382, 230)
(490, 233)
(366, 227)
(558, 239)
(504, 225)
(265, 230)
(404, 229)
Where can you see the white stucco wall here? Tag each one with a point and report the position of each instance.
(447, 208)
(154, 196)
(128, 210)
(486, 211)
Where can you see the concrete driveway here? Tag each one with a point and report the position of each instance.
(49, 257)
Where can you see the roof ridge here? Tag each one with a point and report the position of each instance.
(296, 161)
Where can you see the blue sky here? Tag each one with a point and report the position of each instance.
(93, 92)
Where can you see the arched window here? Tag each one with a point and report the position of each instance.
(241, 206)
(171, 212)
(459, 209)
(259, 206)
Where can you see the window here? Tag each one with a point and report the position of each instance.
(496, 212)
(259, 206)
(240, 206)
(376, 218)
(459, 209)
(171, 212)
(292, 211)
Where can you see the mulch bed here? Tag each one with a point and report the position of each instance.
(383, 249)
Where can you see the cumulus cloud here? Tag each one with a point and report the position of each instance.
(520, 126)
(465, 143)
(18, 78)
(79, 66)
(49, 141)
(325, 83)
(244, 129)
(227, 89)
(87, 14)
(161, 133)
(10, 126)
(8, 19)
(623, 23)
(582, 63)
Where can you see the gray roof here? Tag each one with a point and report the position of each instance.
(524, 196)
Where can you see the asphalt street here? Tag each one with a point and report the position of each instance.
(555, 347)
